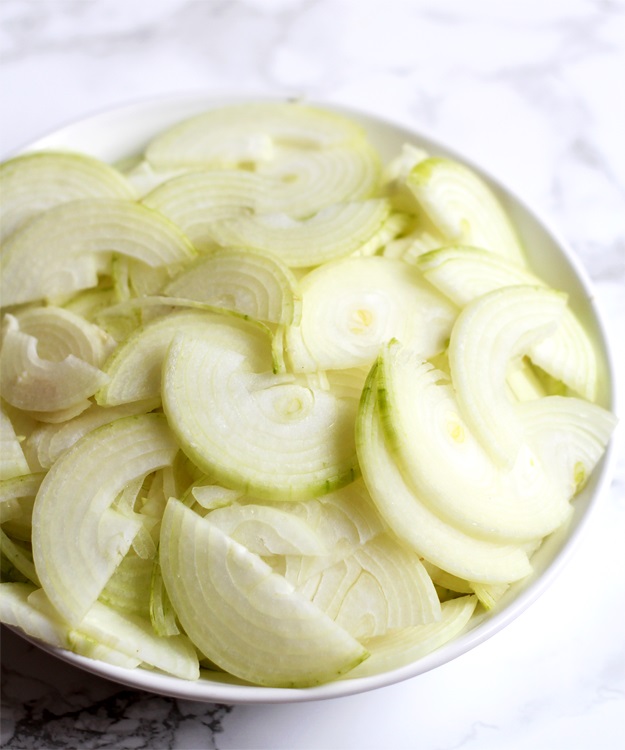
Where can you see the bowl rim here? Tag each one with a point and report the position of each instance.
(531, 588)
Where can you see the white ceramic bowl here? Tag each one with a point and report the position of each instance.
(122, 132)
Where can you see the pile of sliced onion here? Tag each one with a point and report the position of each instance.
(273, 408)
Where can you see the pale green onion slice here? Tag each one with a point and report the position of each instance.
(352, 306)
(269, 435)
(33, 183)
(306, 180)
(450, 469)
(48, 441)
(497, 328)
(78, 539)
(62, 250)
(241, 615)
(131, 635)
(196, 200)
(463, 207)
(438, 541)
(128, 589)
(465, 273)
(236, 135)
(250, 283)
(13, 462)
(336, 231)
(569, 434)
(20, 556)
(134, 369)
(401, 647)
(32, 383)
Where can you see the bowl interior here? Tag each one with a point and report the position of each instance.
(123, 132)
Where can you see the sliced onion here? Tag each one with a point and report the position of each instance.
(56, 253)
(497, 328)
(33, 183)
(78, 539)
(241, 615)
(448, 467)
(464, 208)
(437, 540)
(269, 435)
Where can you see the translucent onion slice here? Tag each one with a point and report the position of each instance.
(336, 231)
(401, 647)
(19, 554)
(130, 635)
(194, 201)
(465, 273)
(497, 328)
(128, 589)
(250, 283)
(443, 544)
(569, 434)
(56, 253)
(266, 530)
(307, 180)
(380, 587)
(33, 183)
(238, 134)
(78, 539)
(17, 496)
(13, 462)
(60, 332)
(352, 306)
(32, 383)
(450, 469)
(134, 369)
(464, 208)
(269, 435)
(47, 442)
(241, 615)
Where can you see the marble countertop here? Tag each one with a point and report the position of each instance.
(532, 90)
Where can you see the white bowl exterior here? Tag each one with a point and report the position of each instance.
(123, 132)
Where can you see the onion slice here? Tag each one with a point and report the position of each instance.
(240, 614)
(78, 539)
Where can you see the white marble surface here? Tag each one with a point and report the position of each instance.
(534, 91)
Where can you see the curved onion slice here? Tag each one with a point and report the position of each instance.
(448, 466)
(126, 634)
(496, 328)
(33, 183)
(463, 207)
(134, 369)
(401, 647)
(32, 383)
(465, 273)
(78, 539)
(269, 435)
(379, 587)
(336, 231)
(569, 434)
(13, 462)
(60, 332)
(451, 549)
(352, 306)
(306, 180)
(240, 614)
(238, 134)
(48, 441)
(56, 252)
(250, 283)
